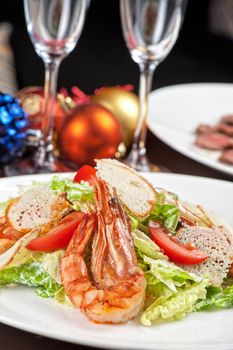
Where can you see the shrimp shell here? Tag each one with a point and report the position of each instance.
(112, 290)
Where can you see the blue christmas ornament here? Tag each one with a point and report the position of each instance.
(13, 122)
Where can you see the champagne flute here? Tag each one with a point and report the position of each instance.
(54, 27)
(150, 29)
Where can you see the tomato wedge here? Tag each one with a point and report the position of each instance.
(85, 173)
(59, 236)
(176, 252)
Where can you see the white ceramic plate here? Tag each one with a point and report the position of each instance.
(176, 111)
(21, 308)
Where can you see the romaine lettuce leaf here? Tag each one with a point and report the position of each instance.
(50, 262)
(193, 213)
(134, 221)
(36, 269)
(156, 264)
(31, 275)
(146, 246)
(217, 298)
(167, 214)
(176, 305)
(77, 193)
(171, 291)
(168, 273)
(23, 256)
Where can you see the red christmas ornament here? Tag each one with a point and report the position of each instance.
(32, 100)
(90, 132)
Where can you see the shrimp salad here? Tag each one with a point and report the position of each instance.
(75, 241)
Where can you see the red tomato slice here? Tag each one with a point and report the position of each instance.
(85, 173)
(59, 236)
(176, 252)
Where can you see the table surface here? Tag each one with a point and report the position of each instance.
(159, 153)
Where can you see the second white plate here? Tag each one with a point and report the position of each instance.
(176, 111)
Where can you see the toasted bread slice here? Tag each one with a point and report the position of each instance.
(135, 192)
(216, 243)
(37, 208)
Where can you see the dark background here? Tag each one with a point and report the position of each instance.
(102, 59)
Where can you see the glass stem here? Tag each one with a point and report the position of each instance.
(46, 148)
(137, 156)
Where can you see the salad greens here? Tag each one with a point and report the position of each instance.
(171, 291)
(216, 298)
(34, 269)
(171, 307)
(31, 275)
(145, 246)
(167, 214)
(77, 193)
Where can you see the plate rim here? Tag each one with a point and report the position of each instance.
(159, 174)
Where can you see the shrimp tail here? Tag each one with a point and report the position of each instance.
(114, 289)
(73, 270)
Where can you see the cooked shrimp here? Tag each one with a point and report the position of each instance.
(8, 235)
(112, 288)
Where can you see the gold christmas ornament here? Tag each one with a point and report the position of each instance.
(124, 105)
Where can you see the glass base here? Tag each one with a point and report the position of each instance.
(139, 162)
(28, 166)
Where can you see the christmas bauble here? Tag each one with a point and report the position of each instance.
(90, 132)
(13, 122)
(124, 105)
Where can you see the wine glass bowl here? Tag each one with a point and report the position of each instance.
(150, 29)
(54, 27)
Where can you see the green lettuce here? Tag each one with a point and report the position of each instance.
(23, 256)
(145, 246)
(31, 275)
(134, 221)
(169, 207)
(176, 305)
(77, 193)
(38, 270)
(171, 292)
(216, 298)
(168, 273)
(50, 262)
(167, 214)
